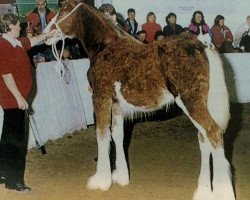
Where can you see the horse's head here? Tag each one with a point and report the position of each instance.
(64, 21)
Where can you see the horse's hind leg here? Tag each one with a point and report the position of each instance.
(222, 183)
(120, 175)
(204, 184)
(102, 178)
(211, 142)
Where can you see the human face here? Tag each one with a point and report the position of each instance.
(198, 18)
(113, 17)
(221, 22)
(160, 37)
(151, 18)
(15, 30)
(248, 22)
(172, 20)
(41, 6)
(142, 37)
(131, 16)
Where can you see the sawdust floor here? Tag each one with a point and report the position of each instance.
(164, 162)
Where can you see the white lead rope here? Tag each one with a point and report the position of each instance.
(59, 66)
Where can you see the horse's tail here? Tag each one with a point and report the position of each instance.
(218, 100)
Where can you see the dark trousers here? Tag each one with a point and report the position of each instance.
(13, 145)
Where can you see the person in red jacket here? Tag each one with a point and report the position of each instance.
(15, 86)
(222, 37)
(151, 27)
(39, 17)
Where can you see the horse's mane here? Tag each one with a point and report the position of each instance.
(110, 23)
(120, 32)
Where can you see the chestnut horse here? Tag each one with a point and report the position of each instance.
(127, 77)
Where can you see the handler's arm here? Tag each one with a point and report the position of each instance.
(11, 85)
(39, 38)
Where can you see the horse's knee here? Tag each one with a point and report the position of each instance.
(215, 137)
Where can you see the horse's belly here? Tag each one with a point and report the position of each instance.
(142, 102)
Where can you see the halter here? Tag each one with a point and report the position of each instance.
(59, 66)
(71, 12)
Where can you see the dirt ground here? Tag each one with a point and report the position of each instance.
(164, 162)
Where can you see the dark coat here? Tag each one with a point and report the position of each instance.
(169, 30)
(131, 30)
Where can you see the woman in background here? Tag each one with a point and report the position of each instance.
(151, 27)
(222, 37)
(198, 25)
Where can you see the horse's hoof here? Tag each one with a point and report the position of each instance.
(120, 178)
(203, 193)
(223, 194)
(99, 182)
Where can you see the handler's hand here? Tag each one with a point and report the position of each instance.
(22, 103)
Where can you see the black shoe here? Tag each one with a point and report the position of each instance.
(18, 186)
(2, 180)
(95, 159)
(2, 177)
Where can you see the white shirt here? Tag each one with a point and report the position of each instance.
(239, 32)
(14, 42)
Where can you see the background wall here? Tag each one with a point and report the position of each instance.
(234, 11)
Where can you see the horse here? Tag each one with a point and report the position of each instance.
(128, 77)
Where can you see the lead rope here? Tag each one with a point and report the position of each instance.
(59, 66)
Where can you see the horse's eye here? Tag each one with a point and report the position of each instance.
(60, 14)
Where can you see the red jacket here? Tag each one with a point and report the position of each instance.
(151, 29)
(35, 21)
(15, 61)
(218, 38)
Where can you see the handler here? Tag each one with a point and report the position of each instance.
(15, 85)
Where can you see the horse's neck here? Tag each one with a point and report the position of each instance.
(94, 32)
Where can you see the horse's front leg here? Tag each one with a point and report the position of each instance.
(120, 175)
(102, 178)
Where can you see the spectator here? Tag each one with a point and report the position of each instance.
(131, 23)
(117, 18)
(172, 28)
(109, 10)
(245, 42)
(15, 86)
(221, 35)
(198, 25)
(121, 23)
(185, 30)
(39, 18)
(141, 36)
(151, 27)
(36, 23)
(73, 49)
(159, 35)
(242, 29)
